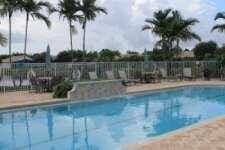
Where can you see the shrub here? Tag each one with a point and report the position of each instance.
(56, 81)
(62, 89)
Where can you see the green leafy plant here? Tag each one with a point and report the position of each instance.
(62, 89)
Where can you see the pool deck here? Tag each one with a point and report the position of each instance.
(166, 85)
(209, 135)
(25, 98)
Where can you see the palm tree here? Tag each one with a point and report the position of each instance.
(181, 29)
(171, 27)
(219, 27)
(8, 7)
(33, 8)
(68, 9)
(159, 25)
(90, 11)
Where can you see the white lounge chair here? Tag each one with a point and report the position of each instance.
(187, 74)
(126, 81)
(76, 75)
(93, 76)
(163, 73)
(110, 75)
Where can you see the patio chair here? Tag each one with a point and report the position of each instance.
(187, 74)
(163, 73)
(93, 76)
(110, 75)
(174, 75)
(76, 75)
(125, 80)
(34, 84)
(151, 77)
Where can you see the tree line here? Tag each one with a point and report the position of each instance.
(202, 51)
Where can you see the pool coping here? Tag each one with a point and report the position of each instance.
(172, 87)
(148, 141)
(63, 101)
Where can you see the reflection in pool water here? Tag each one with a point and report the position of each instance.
(109, 124)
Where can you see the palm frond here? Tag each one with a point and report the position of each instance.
(196, 36)
(90, 10)
(220, 15)
(219, 27)
(146, 27)
(43, 18)
(68, 9)
(100, 10)
(47, 5)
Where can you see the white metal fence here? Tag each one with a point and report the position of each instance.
(15, 76)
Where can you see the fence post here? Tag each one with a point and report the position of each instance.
(128, 70)
(55, 68)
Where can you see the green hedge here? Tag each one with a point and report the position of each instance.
(61, 90)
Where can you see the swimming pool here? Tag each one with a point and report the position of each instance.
(112, 123)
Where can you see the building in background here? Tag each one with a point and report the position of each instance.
(18, 59)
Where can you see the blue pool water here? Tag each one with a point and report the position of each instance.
(109, 124)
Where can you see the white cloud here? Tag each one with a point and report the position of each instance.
(120, 29)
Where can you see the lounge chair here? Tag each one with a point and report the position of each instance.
(151, 77)
(125, 80)
(163, 73)
(76, 75)
(174, 75)
(187, 74)
(34, 83)
(110, 75)
(93, 76)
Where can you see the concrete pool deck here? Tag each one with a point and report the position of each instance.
(209, 135)
(25, 98)
(166, 85)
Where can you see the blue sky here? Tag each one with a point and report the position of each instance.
(119, 30)
(220, 4)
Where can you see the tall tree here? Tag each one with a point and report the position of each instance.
(90, 11)
(33, 9)
(68, 9)
(220, 27)
(159, 25)
(181, 29)
(171, 27)
(7, 8)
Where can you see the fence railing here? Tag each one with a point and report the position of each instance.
(15, 76)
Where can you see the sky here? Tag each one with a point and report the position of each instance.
(119, 30)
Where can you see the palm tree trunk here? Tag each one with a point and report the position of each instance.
(84, 37)
(10, 39)
(25, 42)
(71, 39)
